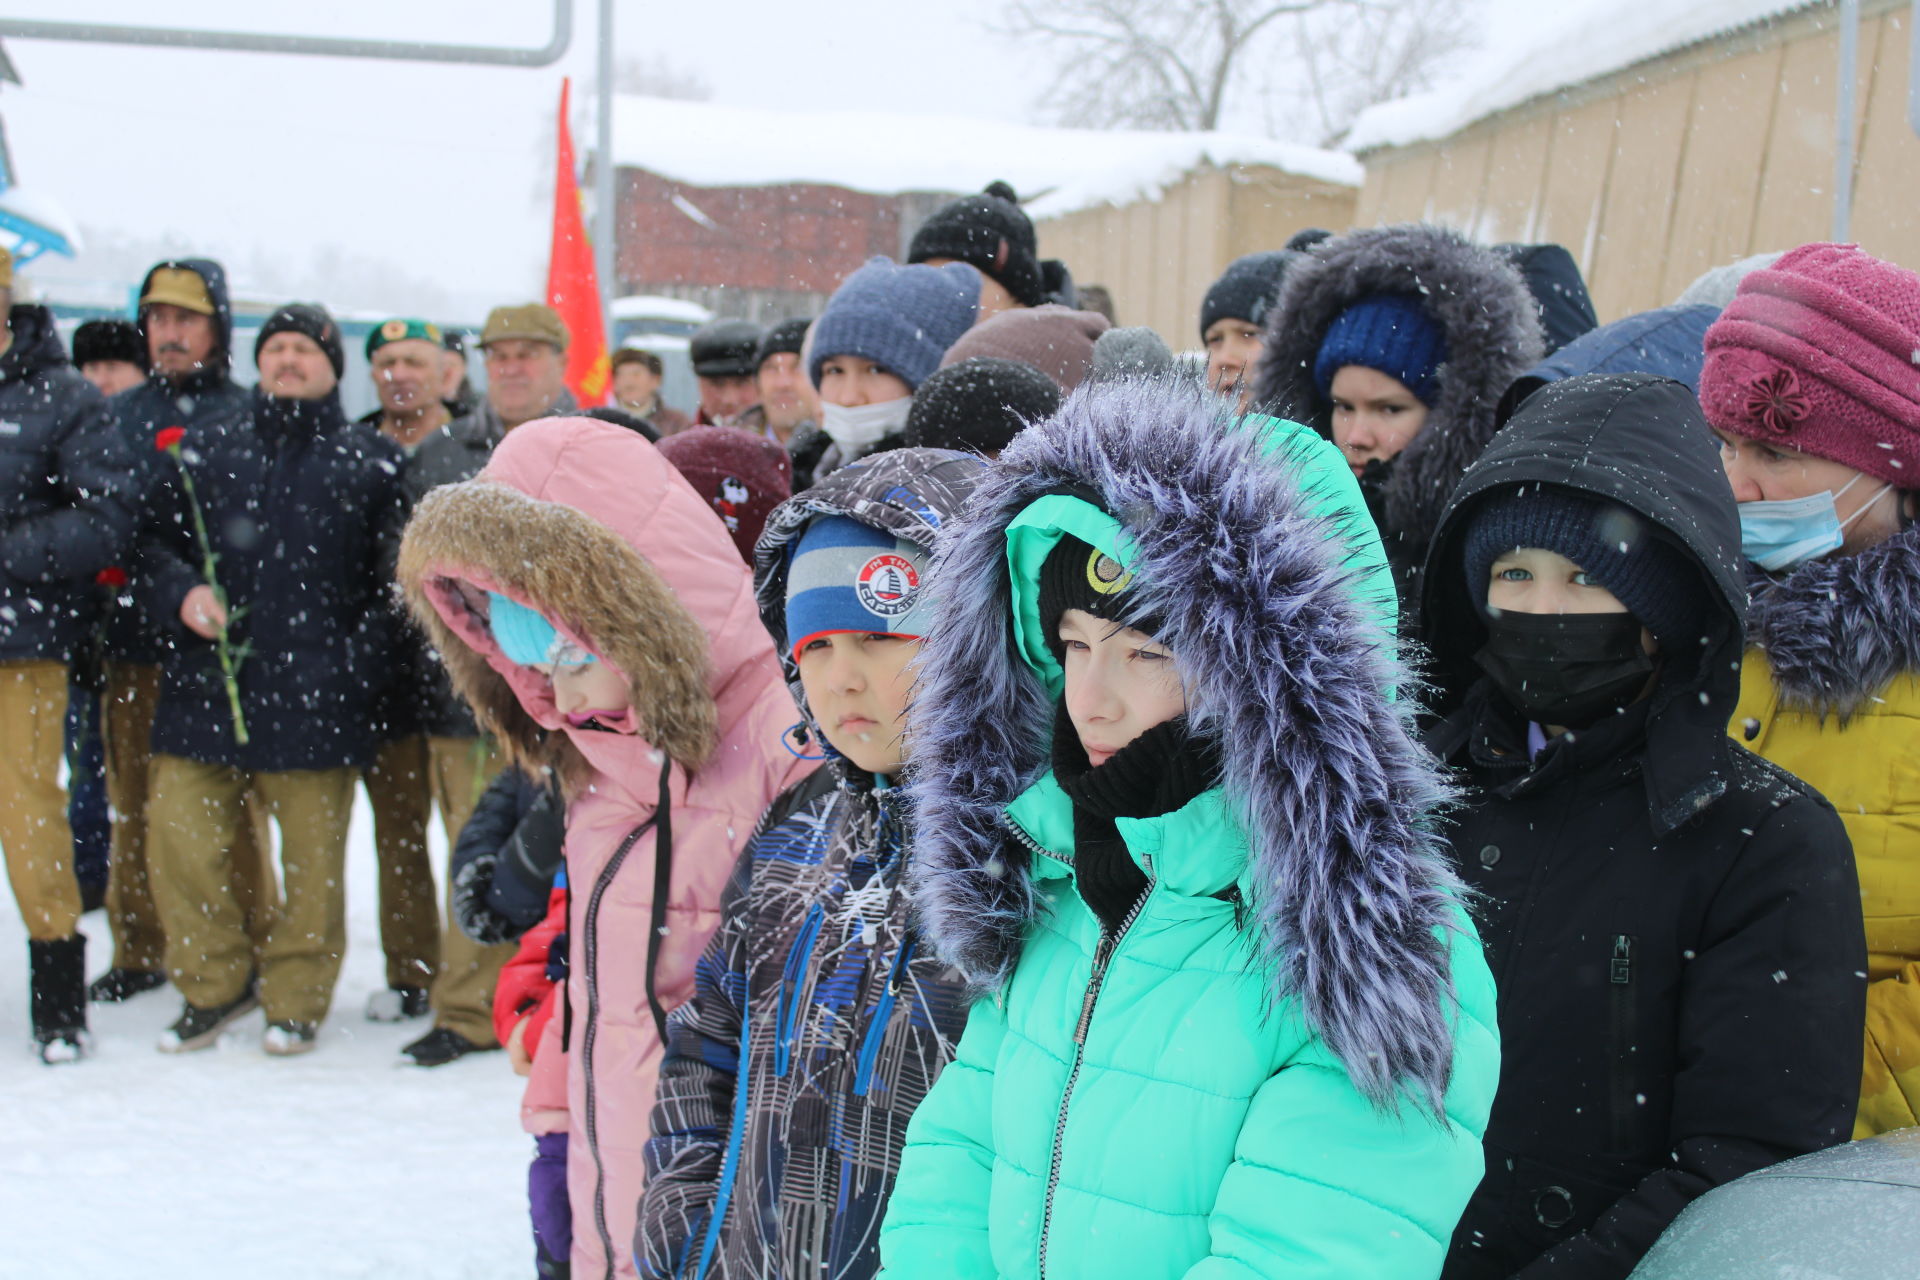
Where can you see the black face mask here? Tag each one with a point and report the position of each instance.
(1565, 668)
(1374, 477)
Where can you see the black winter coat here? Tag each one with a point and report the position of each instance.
(67, 494)
(504, 862)
(1673, 923)
(205, 397)
(305, 512)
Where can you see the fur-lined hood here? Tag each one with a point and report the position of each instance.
(1837, 631)
(1253, 548)
(587, 522)
(1492, 332)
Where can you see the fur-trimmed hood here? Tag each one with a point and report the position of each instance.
(587, 522)
(1837, 631)
(1250, 542)
(1492, 332)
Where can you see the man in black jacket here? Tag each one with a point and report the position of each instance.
(185, 332)
(66, 515)
(273, 683)
(1674, 923)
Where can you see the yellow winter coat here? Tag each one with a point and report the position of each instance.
(1869, 769)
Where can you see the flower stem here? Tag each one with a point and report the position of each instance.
(222, 643)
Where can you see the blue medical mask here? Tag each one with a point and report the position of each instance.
(1787, 533)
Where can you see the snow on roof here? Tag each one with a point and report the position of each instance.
(653, 306)
(42, 211)
(886, 153)
(1582, 42)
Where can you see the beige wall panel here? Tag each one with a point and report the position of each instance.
(1886, 194)
(1793, 199)
(1516, 171)
(1459, 182)
(1714, 207)
(1631, 249)
(1580, 157)
(1405, 189)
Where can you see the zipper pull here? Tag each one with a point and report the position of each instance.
(1620, 971)
(1101, 953)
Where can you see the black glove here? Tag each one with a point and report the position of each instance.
(470, 910)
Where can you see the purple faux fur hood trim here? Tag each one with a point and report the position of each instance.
(1353, 897)
(1837, 631)
(1492, 330)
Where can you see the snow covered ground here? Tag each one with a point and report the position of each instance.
(229, 1163)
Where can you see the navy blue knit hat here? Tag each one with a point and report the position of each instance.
(903, 318)
(1389, 332)
(1246, 289)
(1649, 576)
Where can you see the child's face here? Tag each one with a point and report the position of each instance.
(856, 684)
(1120, 683)
(1535, 580)
(589, 691)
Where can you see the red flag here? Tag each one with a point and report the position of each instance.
(572, 288)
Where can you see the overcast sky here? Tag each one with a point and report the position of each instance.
(397, 185)
(318, 171)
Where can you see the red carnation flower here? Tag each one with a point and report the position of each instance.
(168, 438)
(111, 576)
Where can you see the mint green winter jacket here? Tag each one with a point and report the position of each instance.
(1281, 1064)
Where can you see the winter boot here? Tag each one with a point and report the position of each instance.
(59, 997)
(440, 1046)
(286, 1038)
(398, 1004)
(198, 1028)
(118, 984)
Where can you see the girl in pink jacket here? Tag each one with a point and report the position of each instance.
(660, 704)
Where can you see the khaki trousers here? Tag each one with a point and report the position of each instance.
(462, 995)
(402, 800)
(33, 801)
(126, 731)
(195, 816)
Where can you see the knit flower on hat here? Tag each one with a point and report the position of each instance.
(1775, 401)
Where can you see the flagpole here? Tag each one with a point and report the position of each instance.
(605, 215)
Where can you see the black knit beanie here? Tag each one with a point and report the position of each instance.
(108, 340)
(1246, 289)
(1076, 576)
(311, 319)
(788, 335)
(979, 405)
(991, 233)
(1652, 578)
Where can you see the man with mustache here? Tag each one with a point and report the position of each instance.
(186, 330)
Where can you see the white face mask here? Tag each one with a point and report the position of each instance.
(864, 424)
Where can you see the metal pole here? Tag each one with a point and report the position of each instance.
(1843, 129)
(606, 217)
(324, 46)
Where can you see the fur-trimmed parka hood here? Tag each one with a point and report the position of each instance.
(1837, 631)
(1249, 542)
(587, 523)
(1492, 332)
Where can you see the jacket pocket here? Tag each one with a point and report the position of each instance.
(1549, 1203)
(1623, 1049)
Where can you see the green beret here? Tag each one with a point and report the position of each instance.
(400, 329)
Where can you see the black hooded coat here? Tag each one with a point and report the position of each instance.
(67, 494)
(1673, 923)
(204, 397)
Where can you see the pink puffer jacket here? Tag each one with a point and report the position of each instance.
(587, 523)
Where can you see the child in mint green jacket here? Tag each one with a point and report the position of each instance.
(1173, 826)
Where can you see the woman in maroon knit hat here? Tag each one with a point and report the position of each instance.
(1812, 383)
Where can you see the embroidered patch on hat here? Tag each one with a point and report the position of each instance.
(887, 585)
(728, 497)
(1107, 575)
(394, 330)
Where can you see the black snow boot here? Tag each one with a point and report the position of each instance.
(59, 997)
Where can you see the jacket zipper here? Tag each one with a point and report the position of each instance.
(1102, 956)
(1620, 1002)
(1019, 833)
(590, 948)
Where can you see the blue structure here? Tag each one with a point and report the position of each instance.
(32, 232)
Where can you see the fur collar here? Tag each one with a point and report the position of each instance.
(1837, 631)
(1492, 330)
(1351, 892)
